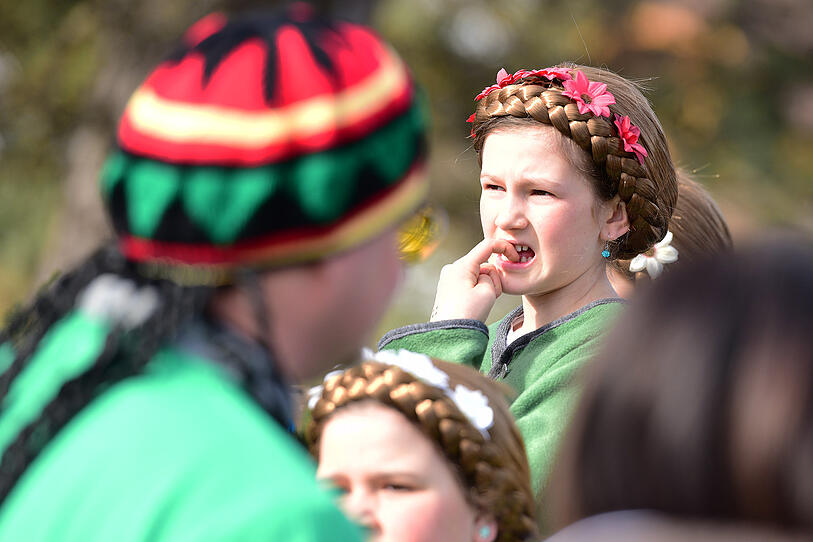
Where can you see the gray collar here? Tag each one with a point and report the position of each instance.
(502, 352)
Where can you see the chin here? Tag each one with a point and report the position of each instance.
(514, 290)
(524, 287)
(515, 287)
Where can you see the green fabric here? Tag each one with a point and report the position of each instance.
(6, 357)
(75, 341)
(327, 182)
(112, 171)
(151, 189)
(222, 204)
(177, 453)
(541, 373)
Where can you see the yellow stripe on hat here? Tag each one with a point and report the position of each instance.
(182, 122)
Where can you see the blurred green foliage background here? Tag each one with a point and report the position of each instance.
(731, 80)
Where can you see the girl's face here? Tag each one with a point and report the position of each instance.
(534, 198)
(392, 478)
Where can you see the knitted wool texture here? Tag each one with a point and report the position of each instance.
(267, 140)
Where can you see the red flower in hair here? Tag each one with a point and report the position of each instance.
(589, 95)
(503, 79)
(548, 73)
(471, 119)
(629, 134)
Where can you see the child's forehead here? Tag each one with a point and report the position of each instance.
(534, 146)
(524, 155)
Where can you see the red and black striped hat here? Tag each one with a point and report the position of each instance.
(270, 139)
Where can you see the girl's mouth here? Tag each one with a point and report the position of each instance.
(526, 255)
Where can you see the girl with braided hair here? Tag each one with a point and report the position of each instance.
(575, 172)
(422, 450)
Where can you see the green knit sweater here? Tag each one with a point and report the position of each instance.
(539, 366)
(179, 452)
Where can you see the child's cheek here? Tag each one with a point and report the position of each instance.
(418, 519)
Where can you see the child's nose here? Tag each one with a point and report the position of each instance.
(511, 215)
(360, 506)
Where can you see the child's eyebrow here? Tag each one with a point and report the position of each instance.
(525, 179)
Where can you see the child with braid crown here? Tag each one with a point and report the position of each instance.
(575, 171)
(422, 450)
(145, 395)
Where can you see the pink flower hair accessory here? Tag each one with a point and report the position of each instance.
(629, 134)
(504, 78)
(589, 95)
(550, 74)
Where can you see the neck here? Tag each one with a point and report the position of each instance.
(232, 309)
(541, 309)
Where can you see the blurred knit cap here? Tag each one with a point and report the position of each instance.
(270, 139)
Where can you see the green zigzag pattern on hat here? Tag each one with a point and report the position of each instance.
(221, 203)
(222, 200)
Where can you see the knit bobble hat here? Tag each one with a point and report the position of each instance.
(271, 139)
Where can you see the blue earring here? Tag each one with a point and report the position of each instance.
(606, 252)
(485, 532)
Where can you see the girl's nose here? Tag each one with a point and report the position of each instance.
(360, 506)
(511, 215)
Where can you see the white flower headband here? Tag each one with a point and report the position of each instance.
(662, 253)
(472, 403)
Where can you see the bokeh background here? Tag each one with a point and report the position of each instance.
(731, 80)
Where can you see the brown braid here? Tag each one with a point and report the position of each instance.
(649, 191)
(697, 224)
(493, 471)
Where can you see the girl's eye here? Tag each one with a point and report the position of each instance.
(540, 193)
(397, 487)
(493, 187)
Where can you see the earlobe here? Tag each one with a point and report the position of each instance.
(485, 528)
(618, 222)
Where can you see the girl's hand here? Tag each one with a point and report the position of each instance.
(469, 287)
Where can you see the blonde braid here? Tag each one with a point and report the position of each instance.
(477, 461)
(649, 204)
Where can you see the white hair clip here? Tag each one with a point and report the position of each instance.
(118, 300)
(472, 403)
(654, 259)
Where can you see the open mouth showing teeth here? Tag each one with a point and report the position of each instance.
(525, 253)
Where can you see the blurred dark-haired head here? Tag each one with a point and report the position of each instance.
(701, 401)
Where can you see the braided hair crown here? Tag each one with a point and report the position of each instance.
(493, 470)
(645, 181)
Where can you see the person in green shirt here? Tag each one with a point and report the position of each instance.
(575, 171)
(144, 395)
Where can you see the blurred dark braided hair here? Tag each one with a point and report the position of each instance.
(125, 353)
(649, 191)
(494, 472)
